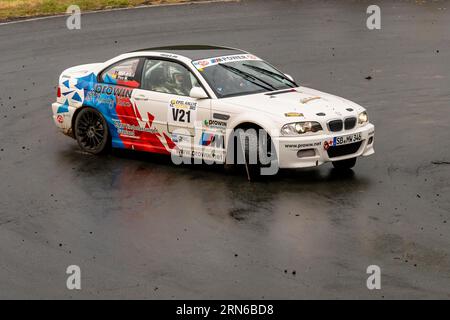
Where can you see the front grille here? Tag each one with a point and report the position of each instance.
(335, 125)
(346, 149)
(350, 123)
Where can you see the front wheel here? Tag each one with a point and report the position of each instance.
(344, 164)
(255, 152)
(91, 131)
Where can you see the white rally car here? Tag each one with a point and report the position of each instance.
(189, 100)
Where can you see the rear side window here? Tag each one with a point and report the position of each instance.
(122, 73)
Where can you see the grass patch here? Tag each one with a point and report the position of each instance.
(16, 9)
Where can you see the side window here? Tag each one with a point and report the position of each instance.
(167, 77)
(122, 73)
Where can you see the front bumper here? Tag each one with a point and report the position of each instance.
(314, 152)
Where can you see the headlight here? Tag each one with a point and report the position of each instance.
(363, 118)
(296, 128)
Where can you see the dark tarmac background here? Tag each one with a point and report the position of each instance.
(140, 227)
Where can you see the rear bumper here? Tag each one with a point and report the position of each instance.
(314, 152)
(62, 117)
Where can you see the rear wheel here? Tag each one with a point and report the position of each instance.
(344, 164)
(91, 131)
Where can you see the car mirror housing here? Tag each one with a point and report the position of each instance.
(198, 93)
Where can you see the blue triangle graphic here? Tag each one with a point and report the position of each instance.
(64, 107)
(76, 97)
(86, 82)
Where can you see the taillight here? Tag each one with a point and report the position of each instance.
(58, 93)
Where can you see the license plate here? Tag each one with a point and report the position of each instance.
(352, 138)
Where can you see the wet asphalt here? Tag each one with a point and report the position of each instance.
(141, 227)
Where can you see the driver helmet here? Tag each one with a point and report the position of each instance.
(179, 78)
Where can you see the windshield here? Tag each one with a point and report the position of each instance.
(240, 75)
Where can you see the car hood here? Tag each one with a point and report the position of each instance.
(306, 101)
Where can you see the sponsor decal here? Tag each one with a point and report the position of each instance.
(113, 90)
(183, 104)
(91, 95)
(204, 63)
(328, 144)
(177, 137)
(295, 146)
(129, 130)
(215, 124)
(201, 64)
(183, 111)
(122, 102)
(168, 55)
(212, 140)
(293, 114)
(101, 99)
(60, 119)
(199, 154)
(123, 75)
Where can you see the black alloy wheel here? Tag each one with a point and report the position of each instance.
(91, 131)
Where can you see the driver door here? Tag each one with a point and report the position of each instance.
(164, 93)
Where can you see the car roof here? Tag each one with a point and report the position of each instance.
(195, 52)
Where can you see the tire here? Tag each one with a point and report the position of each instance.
(346, 164)
(253, 147)
(91, 131)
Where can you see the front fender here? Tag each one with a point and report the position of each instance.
(263, 121)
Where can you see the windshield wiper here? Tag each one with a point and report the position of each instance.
(249, 77)
(269, 73)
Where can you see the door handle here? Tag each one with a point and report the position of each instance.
(141, 97)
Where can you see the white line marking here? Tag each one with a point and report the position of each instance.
(119, 9)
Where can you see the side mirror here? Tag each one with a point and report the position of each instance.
(198, 93)
(289, 77)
